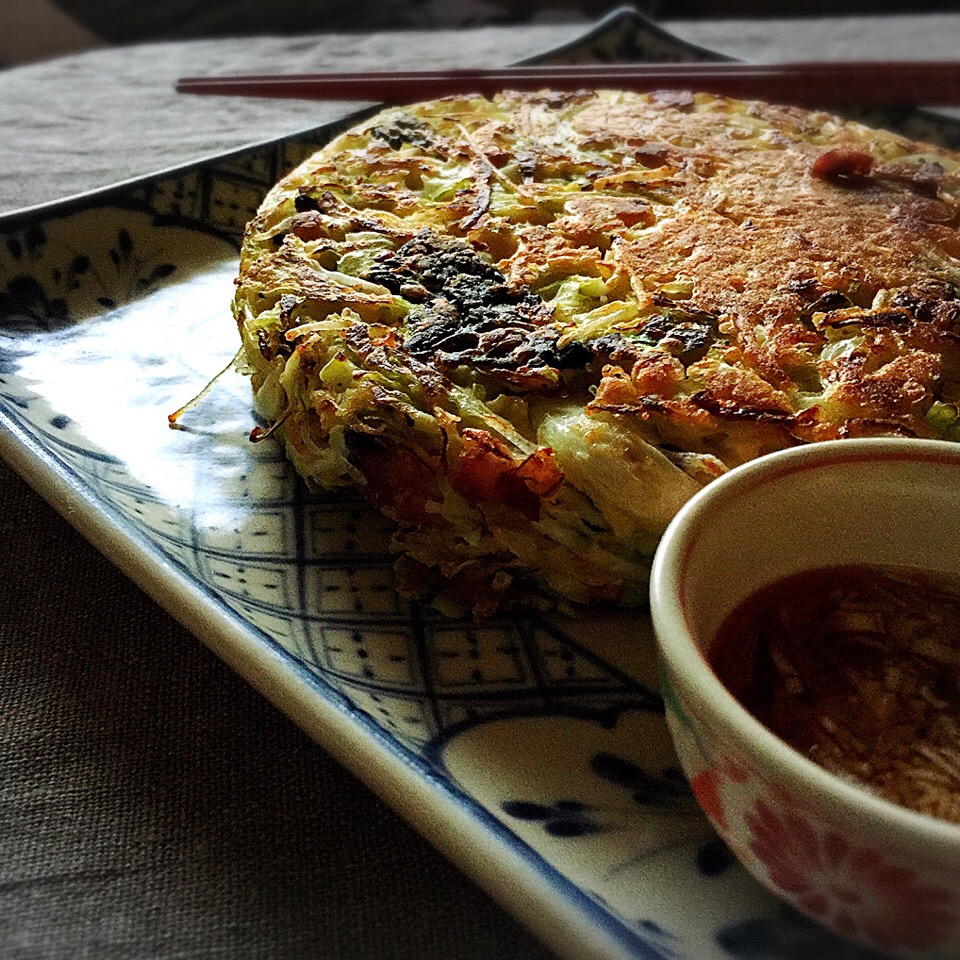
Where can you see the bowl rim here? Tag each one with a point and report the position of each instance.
(697, 681)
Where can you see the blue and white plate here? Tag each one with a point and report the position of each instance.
(533, 752)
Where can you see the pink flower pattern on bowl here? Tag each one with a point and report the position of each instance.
(795, 849)
(882, 875)
(706, 788)
(852, 888)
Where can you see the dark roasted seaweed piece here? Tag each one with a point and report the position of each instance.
(431, 260)
(688, 340)
(470, 316)
(405, 129)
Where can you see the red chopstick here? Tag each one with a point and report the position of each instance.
(864, 83)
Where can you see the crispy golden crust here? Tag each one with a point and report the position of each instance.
(713, 278)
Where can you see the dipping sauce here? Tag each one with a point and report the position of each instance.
(859, 669)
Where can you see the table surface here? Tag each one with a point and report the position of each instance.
(151, 804)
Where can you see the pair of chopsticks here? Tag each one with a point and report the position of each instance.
(808, 84)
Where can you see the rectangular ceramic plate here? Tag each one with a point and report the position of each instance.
(533, 752)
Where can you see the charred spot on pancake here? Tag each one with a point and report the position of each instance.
(468, 316)
(854, 316)
(402, 130)
(431, 260)
(615, 348)
(271, 341)
(934, 301)
(831, 300)
(304, 202)
(687, 339)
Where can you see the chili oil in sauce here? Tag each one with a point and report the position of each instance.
(858, 668)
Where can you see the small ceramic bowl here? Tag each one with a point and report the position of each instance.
(870, 870)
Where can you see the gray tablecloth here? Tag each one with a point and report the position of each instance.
(151, 805)
(85, 121)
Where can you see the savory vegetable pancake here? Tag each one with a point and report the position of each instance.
(530, 328)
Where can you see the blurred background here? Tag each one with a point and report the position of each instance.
(35, 29)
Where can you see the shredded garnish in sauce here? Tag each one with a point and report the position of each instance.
(858, 668)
